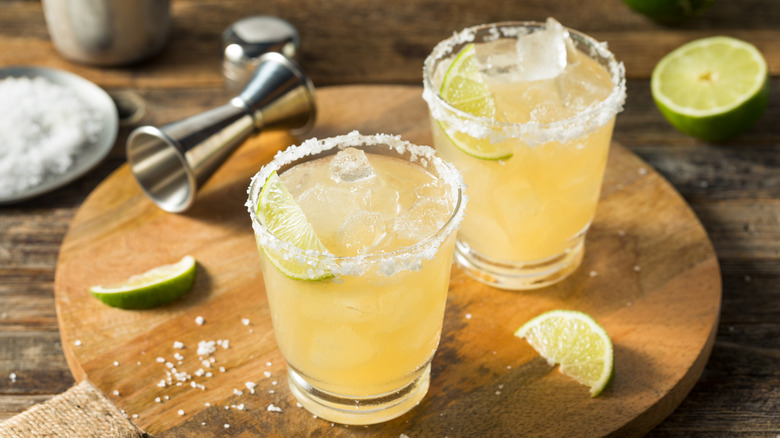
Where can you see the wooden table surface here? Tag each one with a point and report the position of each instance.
(734, 187)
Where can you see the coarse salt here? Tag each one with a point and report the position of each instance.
(43, 127)
(206, 348)
(199, 320)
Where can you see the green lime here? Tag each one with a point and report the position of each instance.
(284, 218)
(464, 88)
(669, 11)
(576, 342)
(713, 88)
(152, 288)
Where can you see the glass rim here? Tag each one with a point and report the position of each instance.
(588, 120)
(405, 258)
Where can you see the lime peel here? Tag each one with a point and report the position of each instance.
(576, 342)
(152, 288)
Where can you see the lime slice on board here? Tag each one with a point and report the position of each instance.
(713, 88)
(284, 218)
(152, 288)
(576, 342)
(464, 89)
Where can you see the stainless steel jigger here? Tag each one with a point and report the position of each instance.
(171, 162)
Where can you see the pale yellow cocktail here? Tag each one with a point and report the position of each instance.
(530, 141)
(359, 319)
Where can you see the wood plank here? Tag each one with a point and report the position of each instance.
(37, 360)
(400, 36)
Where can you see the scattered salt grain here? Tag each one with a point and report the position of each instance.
(199, 320)
(157, 400)
(178, 356)
(160, 359)
(272, 408)
(245, 321)
(116, 364)
(116, 392)
(77, 343)
(468, 316)
(178, 345)
(237, 392)
(221, 369)
(43, 127)
(206, 348)
(181, 412)
(12, 376)
(593, 273)
(227, 426)
(251, 387)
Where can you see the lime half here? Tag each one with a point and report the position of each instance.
(284, 218)
(576, 342)
(712, 88)
(669, 11)
(152, 288)
(464, 89)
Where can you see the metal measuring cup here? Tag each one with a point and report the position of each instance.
(171, 162)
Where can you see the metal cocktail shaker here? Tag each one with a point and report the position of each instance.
(108, 32)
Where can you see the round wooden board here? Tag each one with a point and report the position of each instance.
(650, 277)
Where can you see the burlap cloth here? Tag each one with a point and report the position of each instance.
(81, 411)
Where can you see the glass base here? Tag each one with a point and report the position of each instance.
(359, 410)
(513, 275)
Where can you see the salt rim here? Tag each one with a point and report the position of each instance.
(389, 263)
(532, 133)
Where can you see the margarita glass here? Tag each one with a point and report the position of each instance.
(359, 319)
(525, 111)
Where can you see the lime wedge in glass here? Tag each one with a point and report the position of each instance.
(713, 88)
(576, 342)
(152, 288)
(284, 218)
(464, 89)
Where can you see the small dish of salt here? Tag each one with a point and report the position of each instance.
(54, 127)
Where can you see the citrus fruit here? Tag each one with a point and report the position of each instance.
(152, 288)
(669, 11)
(464, 89)
(713, 88)
(576, 342)
(284, 218)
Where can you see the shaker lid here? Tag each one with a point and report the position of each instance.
(253, 36)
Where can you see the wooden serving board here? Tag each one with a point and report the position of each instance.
(650, 277)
